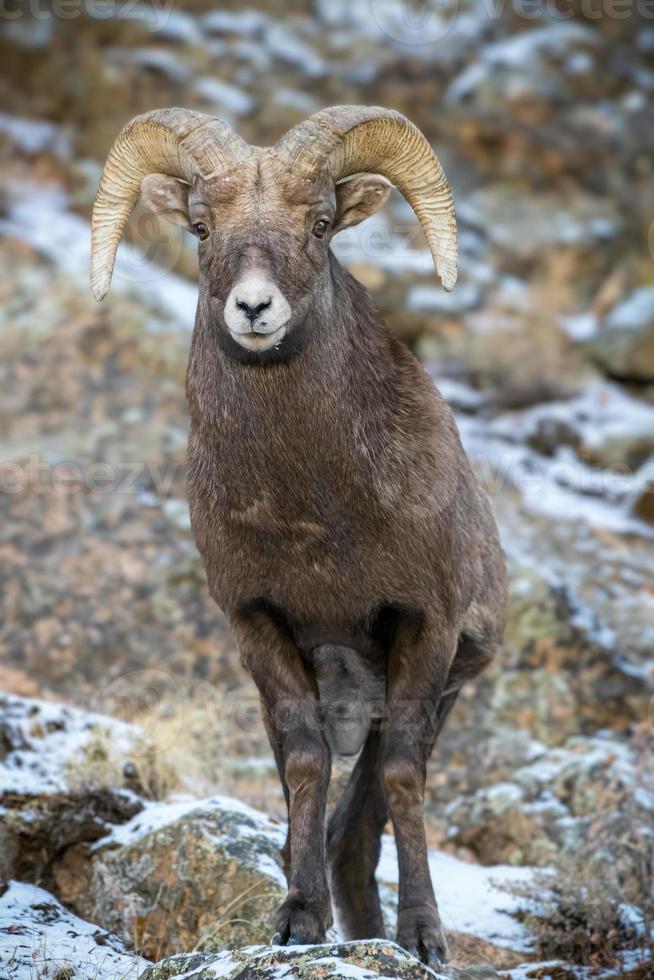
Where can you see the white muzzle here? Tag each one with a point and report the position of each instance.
(257, 313)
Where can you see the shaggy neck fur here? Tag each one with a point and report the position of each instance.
(341, 372)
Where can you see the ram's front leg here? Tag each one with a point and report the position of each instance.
(290, 707)
(417, 671)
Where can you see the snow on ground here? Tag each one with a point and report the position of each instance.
(44, 739)
(156, 816)
(35, 135)
(562, 485)
(39, 938)
(224, 97)
(470, 897)
(635, 312)
(41, 218)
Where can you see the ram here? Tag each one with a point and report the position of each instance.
(340, 525)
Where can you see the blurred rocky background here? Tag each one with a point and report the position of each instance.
(543, 116)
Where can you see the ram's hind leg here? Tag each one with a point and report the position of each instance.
(354, 841)
(472, 657)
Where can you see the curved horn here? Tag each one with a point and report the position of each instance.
(352, 139)
(176, 142)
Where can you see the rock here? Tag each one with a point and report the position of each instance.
(34, 833)
(526, 226)
(538, 700)
(524, 68)
(602, 424)
(360, 960)
(66, 776)
(559, 675)
(39, 938)
(33, 137)
(550, 434)
(495, 825)
(624, 345)
(181, 876)
(643, 505)
(546, 811)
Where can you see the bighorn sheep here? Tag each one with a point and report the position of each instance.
(341, 528)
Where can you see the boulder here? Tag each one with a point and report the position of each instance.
(527, 226)
(361, 960)
(624, 345)
(545, 812)
(66, 777)
(558, 675)
(643, 504)
(40, 938)
(525, 74)
(180, 876)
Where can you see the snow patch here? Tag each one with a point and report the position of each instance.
(561, 485)
(227, 96)
(156, 816)
(44, 739)
(35, 135)
(41, 218)
(39, 937)
(470, 897)
(634, 313)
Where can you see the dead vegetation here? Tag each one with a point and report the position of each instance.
(595, 904)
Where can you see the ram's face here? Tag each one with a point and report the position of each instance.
(263, 245)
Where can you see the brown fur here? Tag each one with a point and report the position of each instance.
(334, 508)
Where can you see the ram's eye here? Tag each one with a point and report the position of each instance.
(321, 228)
(201, 230)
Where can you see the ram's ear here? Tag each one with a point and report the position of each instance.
(168, 197)
(358, 197)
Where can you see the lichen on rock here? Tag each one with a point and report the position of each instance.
(185, 875)
(357, 961)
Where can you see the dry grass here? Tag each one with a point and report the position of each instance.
(100, 764)
(599, 901)
(202, 740)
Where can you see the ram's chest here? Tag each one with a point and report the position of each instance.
(309, 516)
(294, 562)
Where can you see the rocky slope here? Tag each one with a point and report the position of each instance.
(126, 873)
(132, 880)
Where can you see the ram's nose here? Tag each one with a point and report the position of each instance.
(256, 310)
(253, 310)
